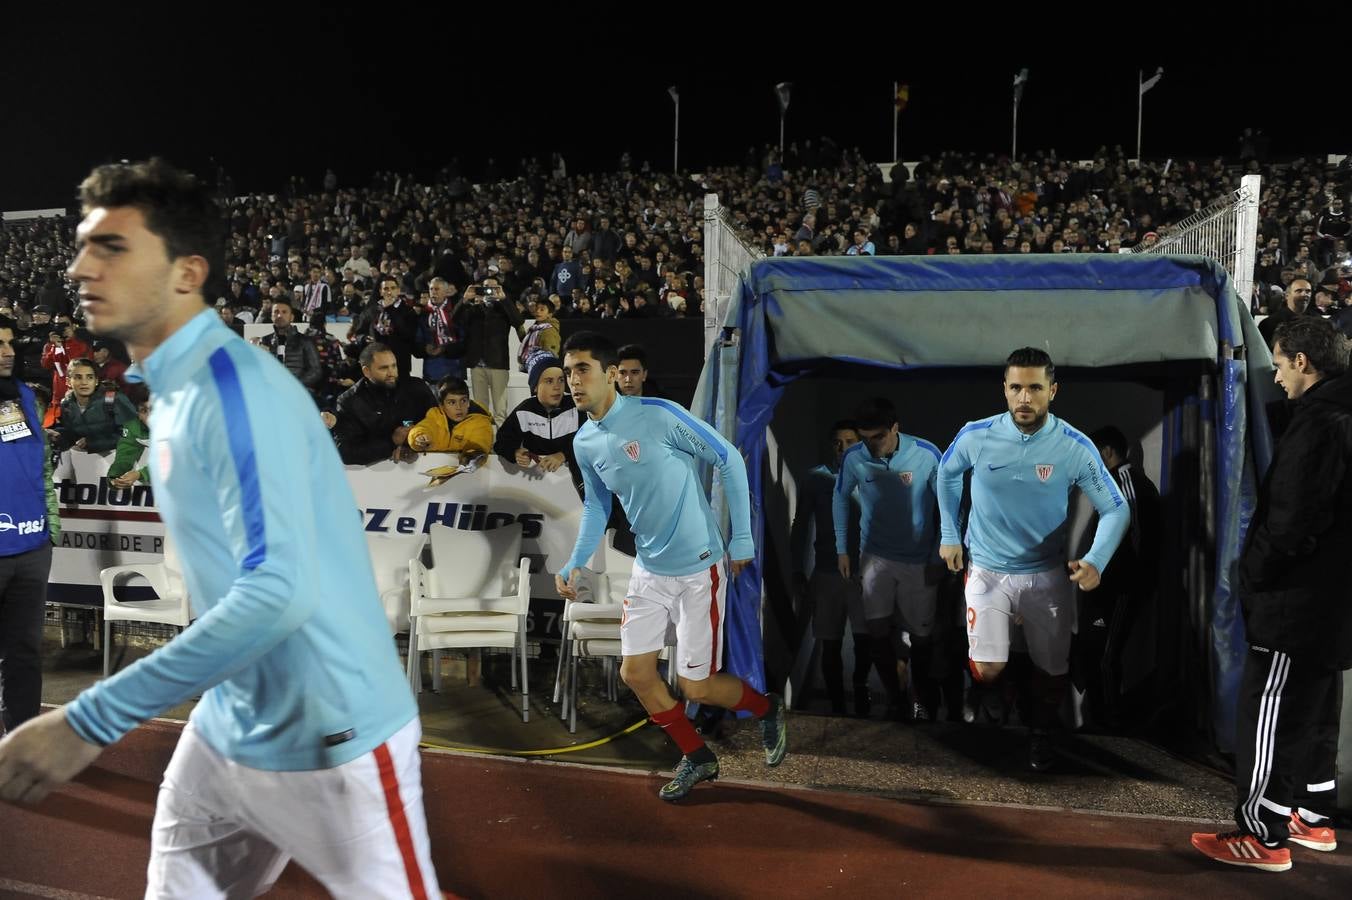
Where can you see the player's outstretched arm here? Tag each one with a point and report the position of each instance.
(953, 465)
(595, 513)
(1114, 519)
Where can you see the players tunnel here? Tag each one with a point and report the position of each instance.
(1158, 346)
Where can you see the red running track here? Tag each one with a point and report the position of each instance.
(515, 828)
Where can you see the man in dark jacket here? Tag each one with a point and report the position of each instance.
(1293, 578)
(393, 322)
(540, 430)
(376, 413)
(485, 318)
(291, 348)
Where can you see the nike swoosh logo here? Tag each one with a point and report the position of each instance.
(993, 466)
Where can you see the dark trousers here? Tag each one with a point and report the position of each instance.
(23, 597)
(1286, 742)
(1096, 652)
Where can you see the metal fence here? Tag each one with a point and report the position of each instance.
(1226, 231)
(726, 259)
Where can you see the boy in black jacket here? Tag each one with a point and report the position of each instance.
(540, 430)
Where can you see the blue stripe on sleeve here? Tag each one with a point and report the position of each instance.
(1094, 454)
(970, 426)
(236, 416)
(710, 436)
(926, 445)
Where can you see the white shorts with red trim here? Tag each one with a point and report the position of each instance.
(1042, 603)
(226, 830)
(690, 605)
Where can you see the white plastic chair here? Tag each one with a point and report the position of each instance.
(592, 629)
(390, 556)
(476, 594)
(171, 605)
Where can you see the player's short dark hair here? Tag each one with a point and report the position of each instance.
(177, 208)
(633, 351)
(1316, 337)
(875, 412)
(844, 425)
(368, 353)
(1032, 358)
(598, 345)
(450, 386)
(1112, 437)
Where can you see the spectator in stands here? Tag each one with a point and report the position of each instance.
(566, 275)
(454, 425)
(542, 334)
(376, 414)
(540, 430)
(291, 348)
(89, 422)
(126, 469)
(63, 347)
(485, 318)
(1298, 295)
(317, 295)
(862, 246)
(393, 322)
(357, 263)
(227, 313)
(111, 365)
(438, 337)
(329, 351)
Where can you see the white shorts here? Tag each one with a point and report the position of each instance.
(1043, 602)
(226, 830)
(898, 588)
(692, 605)
(834, 600)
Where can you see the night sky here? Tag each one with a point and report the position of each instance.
(268, 93)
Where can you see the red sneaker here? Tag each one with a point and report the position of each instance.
(1237, 848)
(1316, 837)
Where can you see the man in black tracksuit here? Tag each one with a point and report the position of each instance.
(1293, 582)
(541, 428)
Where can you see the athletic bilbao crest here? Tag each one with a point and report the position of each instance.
(631, 450)
(906, 478)
(1043, 472)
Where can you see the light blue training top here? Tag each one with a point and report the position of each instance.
(643, 451)
(290, 649)
(1021, 487)
(898, 517)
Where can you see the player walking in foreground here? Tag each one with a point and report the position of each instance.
(642, 450)
(305, 742)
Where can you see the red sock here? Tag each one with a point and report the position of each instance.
(679, 728)
(753, 701)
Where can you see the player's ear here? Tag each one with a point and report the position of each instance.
(1051, 393)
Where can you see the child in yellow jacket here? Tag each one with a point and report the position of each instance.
(455, 426)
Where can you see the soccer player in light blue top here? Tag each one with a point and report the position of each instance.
(1024, 464)
(643, 450)
(305, 742)
(894, 475)
(832, 597)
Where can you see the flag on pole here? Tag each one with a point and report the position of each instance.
(1152, 80)
(1019, 81)
(675, 94)
(903, 96)
(782, 91)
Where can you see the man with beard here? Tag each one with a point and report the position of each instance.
(376, 413)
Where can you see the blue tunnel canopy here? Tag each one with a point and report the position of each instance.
(903, 313)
